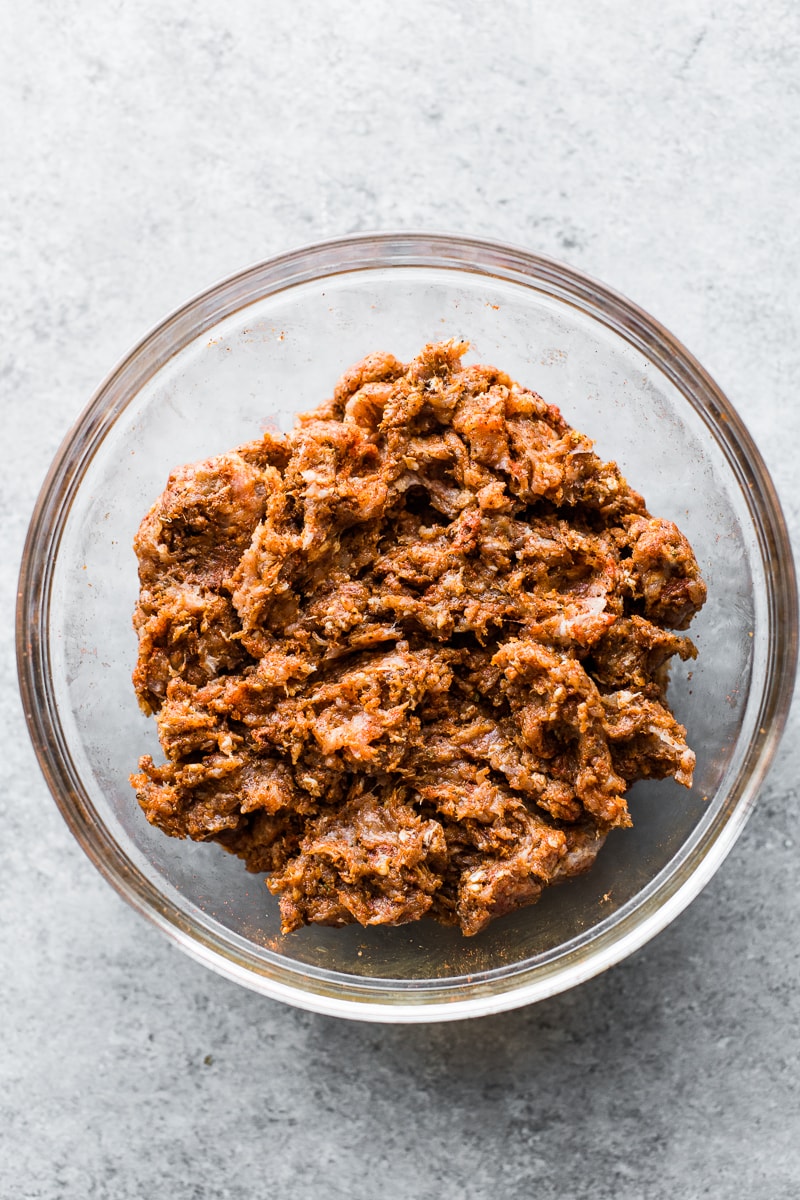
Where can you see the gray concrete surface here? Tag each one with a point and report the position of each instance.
(149, 148)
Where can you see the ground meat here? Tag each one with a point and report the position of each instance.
(409, 659)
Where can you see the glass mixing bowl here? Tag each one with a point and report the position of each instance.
(270, 342)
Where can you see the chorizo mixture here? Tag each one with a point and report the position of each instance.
(409, 658)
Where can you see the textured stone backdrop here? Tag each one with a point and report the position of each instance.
(149, 148)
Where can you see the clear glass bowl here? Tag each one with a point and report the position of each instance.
(270, 342)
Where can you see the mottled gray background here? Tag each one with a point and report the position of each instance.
(148, 148)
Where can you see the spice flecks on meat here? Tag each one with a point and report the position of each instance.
(409, 658)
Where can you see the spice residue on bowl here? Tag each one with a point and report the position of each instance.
(409, 658)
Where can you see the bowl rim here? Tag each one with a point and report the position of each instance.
(661, 900)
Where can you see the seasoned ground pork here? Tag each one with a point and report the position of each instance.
(409, 658)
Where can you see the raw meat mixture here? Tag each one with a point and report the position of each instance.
(409, 658)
